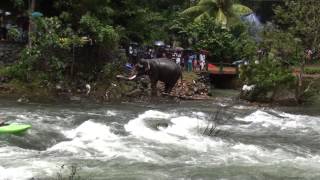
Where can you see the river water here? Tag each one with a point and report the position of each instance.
(168, 140)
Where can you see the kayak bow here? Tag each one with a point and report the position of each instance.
(14, 128)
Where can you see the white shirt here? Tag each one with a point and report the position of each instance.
(202, 57)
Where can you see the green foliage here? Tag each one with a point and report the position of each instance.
(73, 10)
(18, 3)
(179, 26)
(51, 33)
(312, 70)
(300, 18)
(142, 21)
(267, 75)
(282, 46)
(223, 12)
(50, 51)
(18, 71)
(103, 34)
(111, 70)
(91, 18)
(223, 44)
(245, 46)
(14, 34)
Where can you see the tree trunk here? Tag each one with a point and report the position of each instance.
(32, 6)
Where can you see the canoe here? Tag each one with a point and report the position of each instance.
(14, 128)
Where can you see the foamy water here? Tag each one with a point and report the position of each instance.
(115, 142)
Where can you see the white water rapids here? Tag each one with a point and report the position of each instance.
(163, 142)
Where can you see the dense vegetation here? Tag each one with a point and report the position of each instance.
(81, 39)
(286, 41)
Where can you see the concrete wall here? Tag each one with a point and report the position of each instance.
(10, 52)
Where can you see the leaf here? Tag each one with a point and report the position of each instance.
(207, 3)
(194, 11)
(201, 17)
(240, 10)
(221, 18)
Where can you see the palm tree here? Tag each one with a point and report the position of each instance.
(223, 11)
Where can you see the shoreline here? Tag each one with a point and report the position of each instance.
(128, 91)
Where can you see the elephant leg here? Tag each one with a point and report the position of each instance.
(154, 88)
(168, 88)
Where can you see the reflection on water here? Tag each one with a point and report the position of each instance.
(164, 141)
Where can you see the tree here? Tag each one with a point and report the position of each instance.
(92, 18)
(300, 18)
(224, 12)
(222, 44)
(32, 7)
(144, 21)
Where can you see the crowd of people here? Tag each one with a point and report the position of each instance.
(188, 59)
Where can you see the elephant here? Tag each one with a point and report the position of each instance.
(160, 69)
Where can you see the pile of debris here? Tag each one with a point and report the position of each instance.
(191, 90)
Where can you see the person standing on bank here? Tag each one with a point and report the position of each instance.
(190, 60)
(202, 58)
(178, 59)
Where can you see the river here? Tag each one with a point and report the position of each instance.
(167, 140)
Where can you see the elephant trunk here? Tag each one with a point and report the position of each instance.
(133, 74)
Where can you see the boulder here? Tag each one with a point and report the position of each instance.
(281, 95)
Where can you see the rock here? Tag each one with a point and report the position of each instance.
(75, 98)
(134, 93)
(4, 88)
(284, 96)
(190, 93)
(195, 89)
(88, 88)
(23, 100)
(58, 87)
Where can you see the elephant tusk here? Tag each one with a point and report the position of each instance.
(148, 66)
(132, 77)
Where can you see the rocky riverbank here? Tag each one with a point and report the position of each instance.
(192, 87)
(284, 95)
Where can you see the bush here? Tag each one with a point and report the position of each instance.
(14, 34)
(103, 34)
(267, 75)
(312, 70)
(51, 50)
(111, 70)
